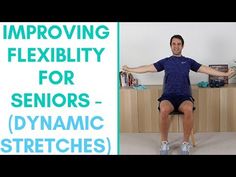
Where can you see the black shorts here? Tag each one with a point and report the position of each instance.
(175, 100)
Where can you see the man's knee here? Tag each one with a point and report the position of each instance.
(165, 109)
(187, 109)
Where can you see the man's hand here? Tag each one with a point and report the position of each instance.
(231, 72)
(125, 68)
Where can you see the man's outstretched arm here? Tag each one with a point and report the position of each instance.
(140, 69)
(211, 71)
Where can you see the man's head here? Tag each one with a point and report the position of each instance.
(176, 44)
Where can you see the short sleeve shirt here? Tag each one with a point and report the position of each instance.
(176, 80)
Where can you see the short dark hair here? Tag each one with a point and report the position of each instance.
(178, 37)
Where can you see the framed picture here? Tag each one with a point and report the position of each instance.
(219, 67)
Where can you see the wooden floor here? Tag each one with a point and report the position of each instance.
(219, 143)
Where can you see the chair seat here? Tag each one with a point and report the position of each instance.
(179, 112)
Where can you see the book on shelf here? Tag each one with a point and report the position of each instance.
(123, 77)
(127, 79)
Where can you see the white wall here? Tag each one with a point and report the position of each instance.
(207, 43)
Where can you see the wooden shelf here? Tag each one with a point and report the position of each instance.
(215, 109)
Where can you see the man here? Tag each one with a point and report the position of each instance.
(177, 91)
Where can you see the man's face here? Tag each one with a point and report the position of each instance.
(176, 46)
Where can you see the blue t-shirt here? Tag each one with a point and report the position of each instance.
(176, 80)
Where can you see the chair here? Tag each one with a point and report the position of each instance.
(180, 113)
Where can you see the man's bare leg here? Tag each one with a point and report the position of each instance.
(187, 108)
(165, 109)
